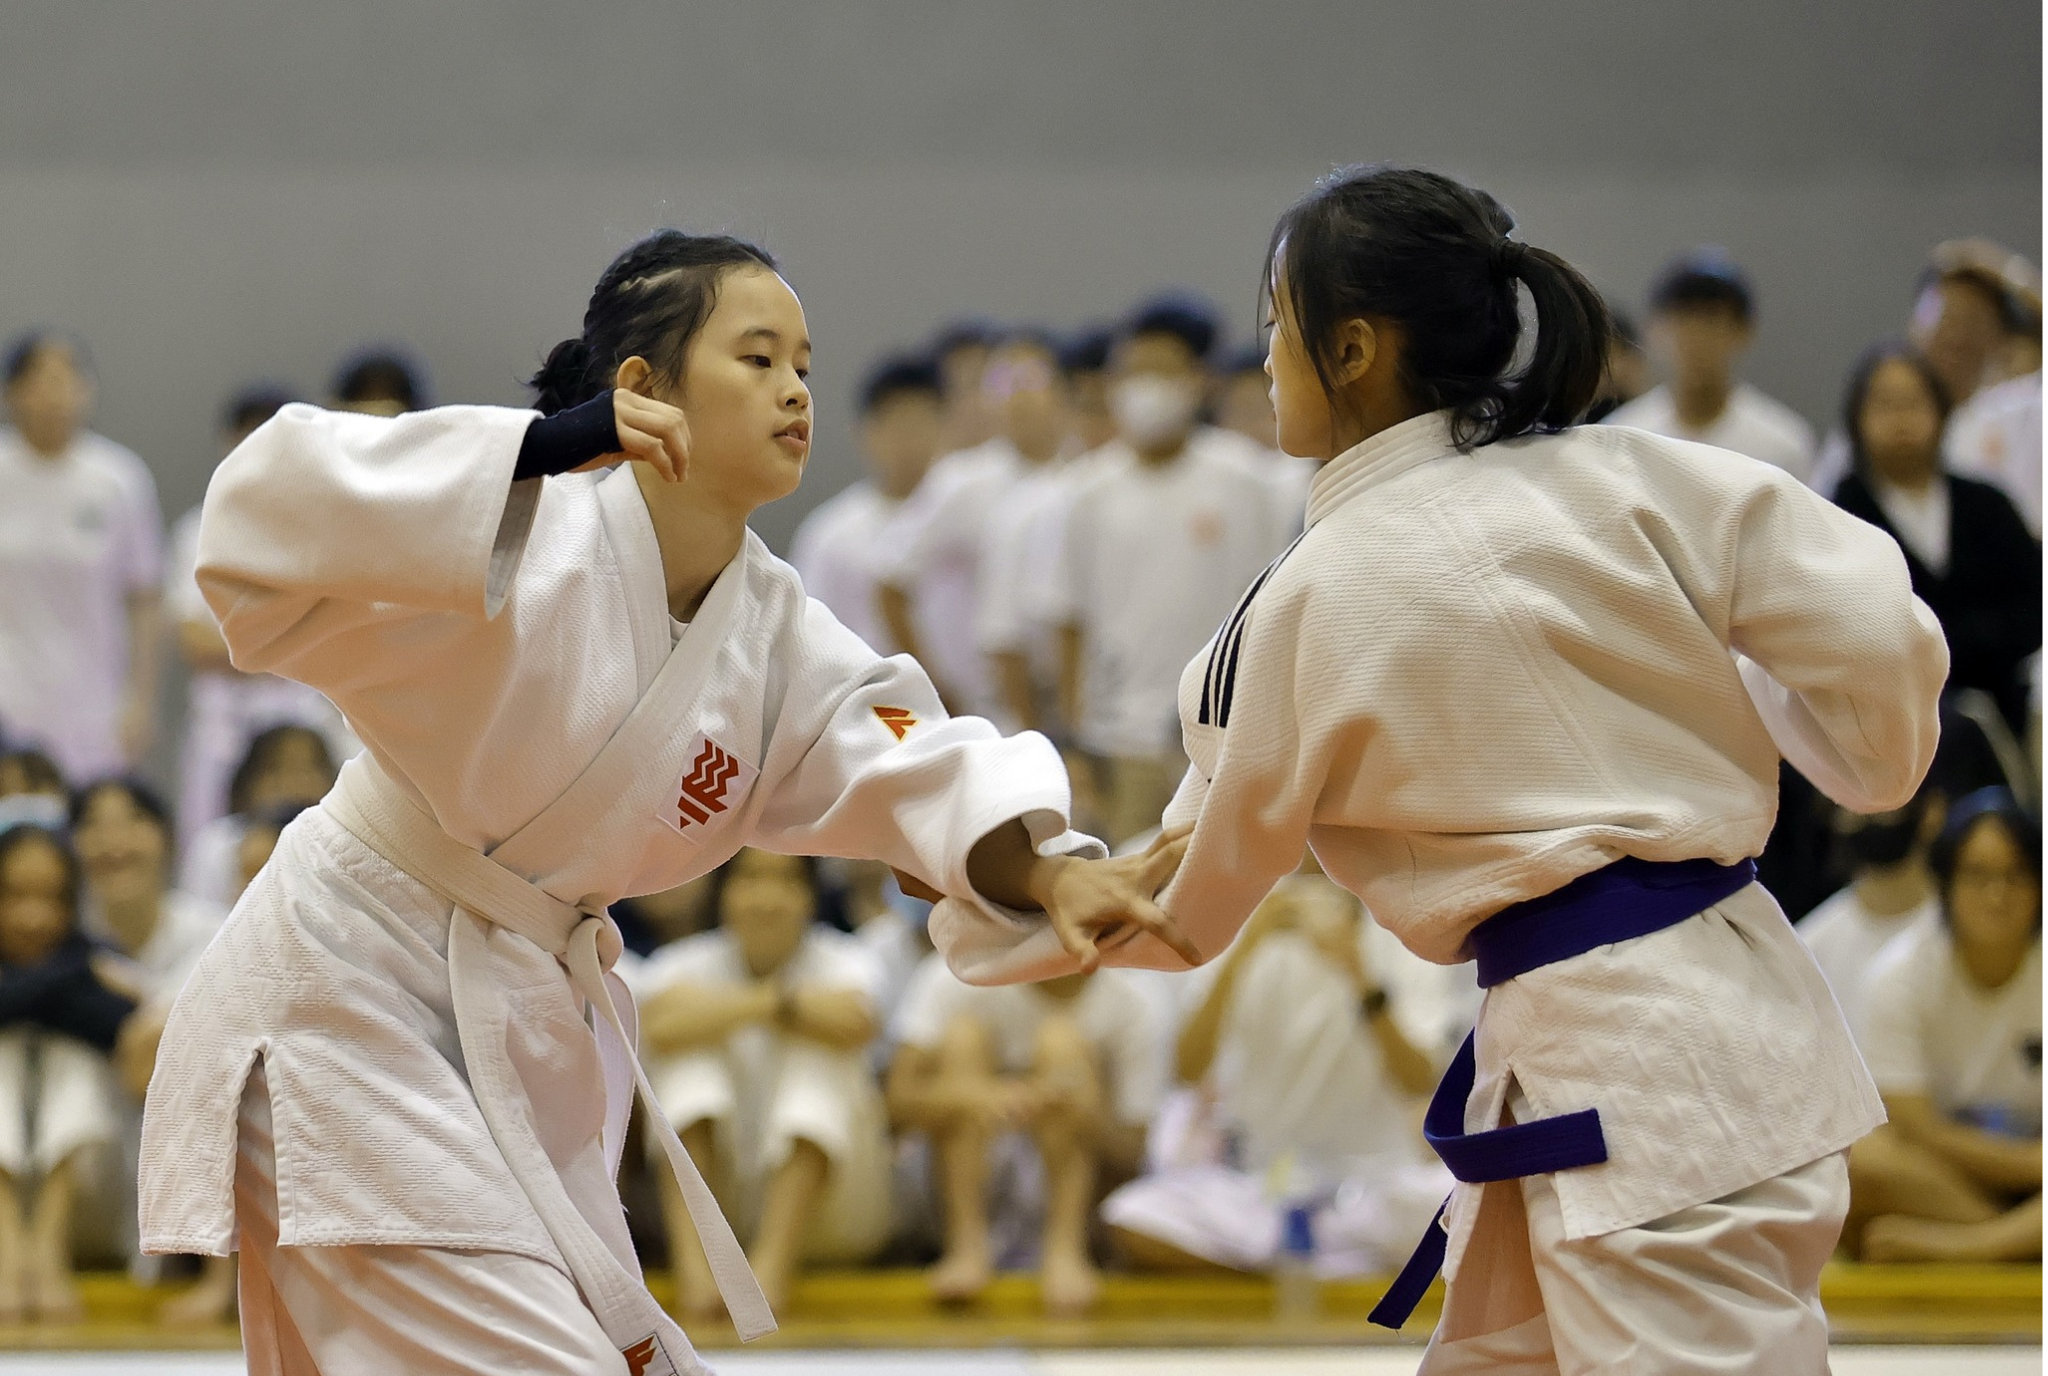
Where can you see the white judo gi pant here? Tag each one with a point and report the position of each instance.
(359, 1310)
(1731, 1286)
(761, 1106)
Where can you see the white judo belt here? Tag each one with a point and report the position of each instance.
(383, 818)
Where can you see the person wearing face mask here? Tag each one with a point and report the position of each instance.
(1170, 524)
(755, 1034)
(1890, 890)
(1971, 556)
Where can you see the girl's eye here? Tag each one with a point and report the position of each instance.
(803, 375)
(760, 360)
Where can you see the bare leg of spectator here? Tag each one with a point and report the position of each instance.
(1889, 1174)
(2014, 1235)
(13, 1252)
(967, 1065)
(50, 1291)
(697, 1295)
(785, 1215)
(210, 1302)
(1070, 1087)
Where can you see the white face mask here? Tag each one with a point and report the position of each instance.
(1151, 410)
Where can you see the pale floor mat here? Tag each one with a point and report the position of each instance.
(1853, 1361)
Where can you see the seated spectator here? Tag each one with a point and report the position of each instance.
(1953, 1038)
(889, 924)
(1318, 1042)
(653, 920)
(1074, 1064)
(32, 790)
(1971, 557)
(380, 381)
(1627, 374)
(286, 766)
(62, 1009)
(755, 1037)
(1891, 889)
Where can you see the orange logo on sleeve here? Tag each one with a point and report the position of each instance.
(897, 719)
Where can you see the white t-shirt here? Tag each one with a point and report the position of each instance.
(1930, 1029)
(1751, 424)
(1116, 1016)
(835, 553)
(1153, 558)
(826, 958)
(933, 548)
(78, 535)
(1013, 609)
(1845, 938)
(1996, 436)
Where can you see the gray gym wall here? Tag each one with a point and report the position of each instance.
(221, 190)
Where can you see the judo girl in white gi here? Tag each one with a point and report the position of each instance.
(1524, 687)
(400, 1078)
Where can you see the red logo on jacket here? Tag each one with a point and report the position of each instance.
(640, 1358)
(704, 786)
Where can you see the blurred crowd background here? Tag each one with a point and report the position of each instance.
(1028, 239)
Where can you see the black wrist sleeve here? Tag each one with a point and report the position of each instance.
(568, 439)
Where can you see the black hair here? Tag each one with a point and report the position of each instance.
(1035, 337)
(15, 837)
(828, 903)
(648, 303)
(262, 752)
(1995, 804)
(147, 800)
(968, 332)
(2012, 311)
(382, 373)
(1865, 372)
(1707, 276)
(254, 404)
(23, 348)
(1185, 316)
(1087, 351)
(898, 375)
(38, 771)
(1431, 256)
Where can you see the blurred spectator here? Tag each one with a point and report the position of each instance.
(961, 353)
(225, 710)
(62, 1009)
(1318, 1041)
(285, 766)
(1702, 321)
(754, 1036)
(1964, 313)
(1244, 407)
(32, 791)
(1627, 375)
(259, 836)
(380, 381)
(889, 925)
(1996, 434)
(651, 921)
(1953, 1037)
(1971, 557)
(930, 573)
(1165, 531)
(839, 543)
(81, 562)
(1085, 360)
(1890, 890)
(1075, 1064)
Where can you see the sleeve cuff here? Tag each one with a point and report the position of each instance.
(569, 439)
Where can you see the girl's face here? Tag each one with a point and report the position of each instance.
(35, 902)
(1901, 424)
(1301, 409)
(745, 395)
(767, 905)
(296, 772)
(1994, 898)
(121, 848)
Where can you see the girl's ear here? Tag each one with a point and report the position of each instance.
(1356, 346)
(635, 375)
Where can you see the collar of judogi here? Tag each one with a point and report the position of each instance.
(1392, 451)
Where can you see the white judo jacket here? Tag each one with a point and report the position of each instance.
(506, 654)
(1478, 676)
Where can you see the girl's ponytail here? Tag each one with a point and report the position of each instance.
(1557, 385)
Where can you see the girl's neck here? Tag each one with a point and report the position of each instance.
(697, 539)
(133, 920)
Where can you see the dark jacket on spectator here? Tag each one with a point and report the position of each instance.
(64, 993)
(1989, 599)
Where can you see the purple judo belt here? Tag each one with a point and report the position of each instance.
(1629, 898)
